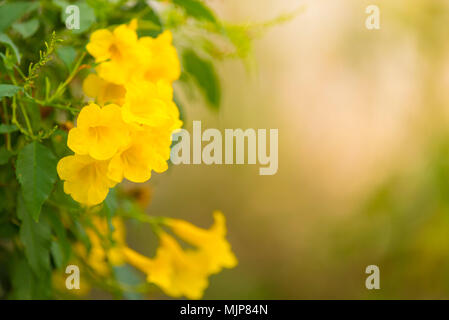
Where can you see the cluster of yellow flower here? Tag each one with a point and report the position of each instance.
(184, 272)
(127, 134)
(177, 271)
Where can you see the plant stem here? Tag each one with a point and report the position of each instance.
(27, 120)
(25, 114)
(46, 103)
(14, 117)
(62, 87)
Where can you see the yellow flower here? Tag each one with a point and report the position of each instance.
(102, 252)
(161, 60)
(211, 242)
(114, 45)
(148, 150)
(85, 178)
(176, 271)
(151, 104)
(117, 51)
(100, 132)
(103, 91)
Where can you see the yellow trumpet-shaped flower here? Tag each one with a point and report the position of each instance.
(85, 178)
(148, 150)
(176, 271)
(211, 242)
(151, 104)
(117, 52)
(100, 132)
(114, 45)
(103, 91)
(160, 60)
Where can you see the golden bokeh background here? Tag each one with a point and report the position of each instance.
(363, 154)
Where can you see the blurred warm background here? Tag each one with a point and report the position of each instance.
(363, 154)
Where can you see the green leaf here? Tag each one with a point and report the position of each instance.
(5, 155)
(110, 206)
(67, 55)
(8, 90)
(25, 284)
(127, 276)
(22, 280)
(61, 3)
(203, 72)
(7, 128)
(110, 203)
(12, 11)
(149, 24)
(63, 199)
(26, 29)
(6, 40)
(81, 235)
(196, 9)
(60, 246)
(57, 254)
(35, 237)
(87, 16)
(36, 172)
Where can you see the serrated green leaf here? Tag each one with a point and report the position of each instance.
(196, 9)
(13, 11)
(8, 90)
(26, 29)
(35, 237)
(5, 155)
(203, 72)
(7, 128)
(36, 173)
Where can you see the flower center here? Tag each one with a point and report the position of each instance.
(115, 52)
